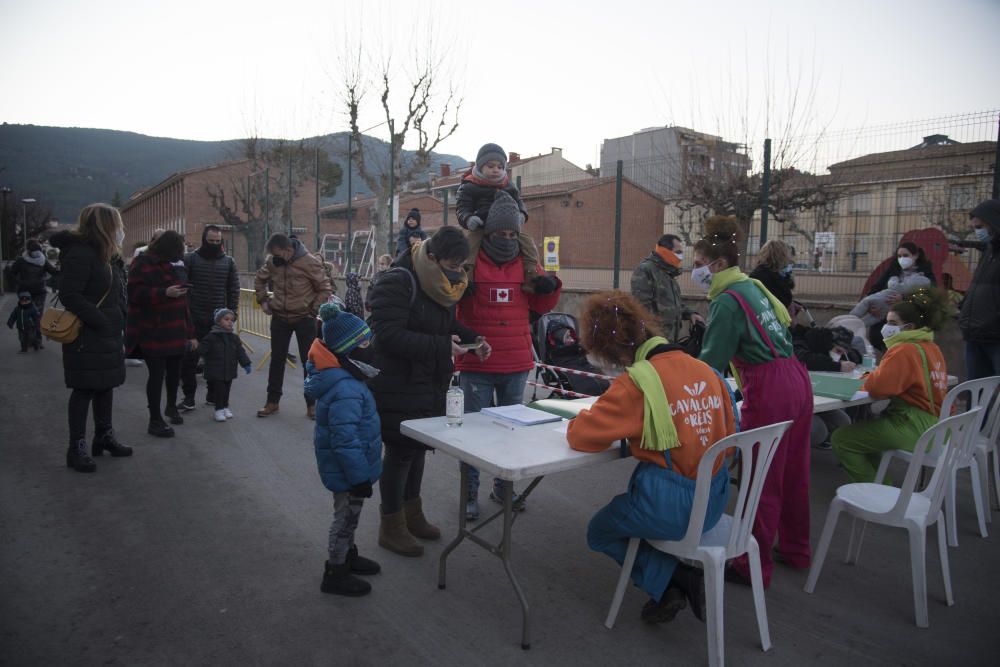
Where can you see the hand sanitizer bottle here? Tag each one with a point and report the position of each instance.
(455, 409)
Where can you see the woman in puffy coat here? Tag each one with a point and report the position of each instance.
(416, 338)
(159, 327)
(93, 364)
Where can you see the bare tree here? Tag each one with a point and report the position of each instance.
(426, 117)
(258, 200)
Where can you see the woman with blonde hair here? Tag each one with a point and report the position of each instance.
(668, 431)
(91, 287)
(774, 270)
(748, 330)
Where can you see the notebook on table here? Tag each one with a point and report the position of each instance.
(563, 408)
(521, 414)
(844, 388)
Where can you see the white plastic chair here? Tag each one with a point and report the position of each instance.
(903, 508)
(980, 394)
(729, 538)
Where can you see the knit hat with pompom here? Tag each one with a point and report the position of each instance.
(342, 331)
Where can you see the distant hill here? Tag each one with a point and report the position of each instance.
(67, 168)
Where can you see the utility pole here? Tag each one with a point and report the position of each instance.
(392, 179)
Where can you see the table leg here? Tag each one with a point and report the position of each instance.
(508, 519)
(462, 500)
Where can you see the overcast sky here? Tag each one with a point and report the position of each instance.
(533, 74)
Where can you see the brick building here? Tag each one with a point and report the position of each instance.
(182, 202)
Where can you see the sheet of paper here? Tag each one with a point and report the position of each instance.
(521, 414)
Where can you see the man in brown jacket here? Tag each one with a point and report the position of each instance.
(300, 285)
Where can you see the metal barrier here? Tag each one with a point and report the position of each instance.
(254, 320)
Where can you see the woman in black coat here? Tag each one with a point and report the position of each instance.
(416, 335)
(94, 363)
(29, 271)
(774, 270)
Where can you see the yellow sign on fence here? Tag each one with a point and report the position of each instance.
(550, 253)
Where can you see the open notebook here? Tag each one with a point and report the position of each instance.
(563, 408)
(521, 414)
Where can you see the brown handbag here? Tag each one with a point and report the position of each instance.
(60, 325)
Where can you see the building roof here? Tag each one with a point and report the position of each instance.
(920, 152)
(143, 193)
(569, 187)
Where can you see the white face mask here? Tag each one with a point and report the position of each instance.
(982, 234)
(905, 262)
(702, 277)
(835, 355)
(890, 330)
(119, 237)
(679, 256)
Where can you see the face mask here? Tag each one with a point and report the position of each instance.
(679, 256)
(454, 277)
(119, 237)
(890, 330)
(211, 249)
(835, 355)
(278, 261)
(787, 271)
(905, 262)
(982, 234)
(702, 276)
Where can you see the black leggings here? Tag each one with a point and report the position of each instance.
(160, 367)
(402, 474)
(79, 403)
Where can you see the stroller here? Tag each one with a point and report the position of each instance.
(555, 342)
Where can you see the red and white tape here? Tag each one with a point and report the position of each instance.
(575, 372)
(572, 394)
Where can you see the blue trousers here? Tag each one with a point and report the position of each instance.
(657, 506)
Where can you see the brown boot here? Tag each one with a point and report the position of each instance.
(393, 535)
(311, 412)
(268, 410)
(417, 523)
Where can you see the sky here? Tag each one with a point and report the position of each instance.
(531, 74)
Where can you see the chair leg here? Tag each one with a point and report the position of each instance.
(714, 587)
(918, 570)
(854, 547)
(949, 508)
(982, 510)
(623, 578)
(945, 568)
(982, 459)
(757, 584)
(824, 545)
(996, 472)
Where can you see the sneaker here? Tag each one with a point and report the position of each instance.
(666, 609)
(220, 415)
(824, 445)
(496, 495)
(228, 413)
(187, 405)
(209, 401)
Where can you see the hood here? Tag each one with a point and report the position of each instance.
(65, 239)
(300, 250)
(989, 212)
(324, 371)
(321, 356)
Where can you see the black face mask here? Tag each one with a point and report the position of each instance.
(454, 277)
(278, 261)
(211, 250)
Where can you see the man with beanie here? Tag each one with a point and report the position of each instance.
(979, 319)
(409, 231)
(347, 440)
(222, 351)
(476, 194)
(300, 287)
(500, 311)
(213, 283)
(654, 285)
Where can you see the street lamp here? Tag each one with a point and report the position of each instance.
(24, 219)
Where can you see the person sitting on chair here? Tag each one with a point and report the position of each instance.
(671, 408)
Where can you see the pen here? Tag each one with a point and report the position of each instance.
(509, 427)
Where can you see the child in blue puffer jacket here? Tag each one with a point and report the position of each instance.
(347, 439)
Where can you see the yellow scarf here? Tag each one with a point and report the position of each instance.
(658, 430)
(432, 279)
(722, 280)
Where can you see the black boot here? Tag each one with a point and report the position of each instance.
(107, 442)
(78, 459)
(691, 581)
(172, 414)
(160, 429)
(338, 580)
(360, 564)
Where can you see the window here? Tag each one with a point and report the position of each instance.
(961, 197)
(907, 199)
(860, 202)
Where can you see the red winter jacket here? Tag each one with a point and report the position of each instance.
(498, 310)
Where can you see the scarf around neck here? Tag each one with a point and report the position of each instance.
(432, 280)
(478, 178)
(668, 256)
(35, 257)
(658, 430)
(922, 334)
(724, 279)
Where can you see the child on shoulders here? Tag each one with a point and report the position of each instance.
(476, 194)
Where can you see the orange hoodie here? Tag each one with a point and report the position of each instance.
(901, 374)
(699, 404)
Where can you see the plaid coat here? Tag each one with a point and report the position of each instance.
(157, 325)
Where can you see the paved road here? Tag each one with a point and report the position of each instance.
(207, 549)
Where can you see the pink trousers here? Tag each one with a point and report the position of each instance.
(773, 392)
